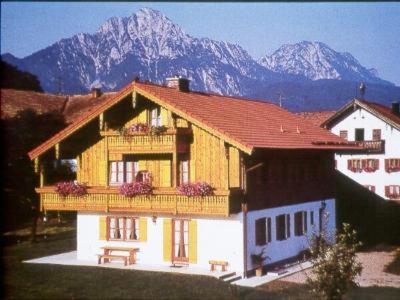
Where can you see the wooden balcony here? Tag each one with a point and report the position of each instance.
(165, 201)
(139, 142)
(372, 146)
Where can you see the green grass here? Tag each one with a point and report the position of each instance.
(394, 266)
(35, 281)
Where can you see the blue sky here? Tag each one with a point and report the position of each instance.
(370, 31)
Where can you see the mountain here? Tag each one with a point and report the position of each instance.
(149, 45)
(146, 44)
(315, 60)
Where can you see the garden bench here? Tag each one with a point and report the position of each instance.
(108, 257)
(221, 263)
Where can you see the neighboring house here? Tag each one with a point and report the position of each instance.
(270, 171)
(377, 129)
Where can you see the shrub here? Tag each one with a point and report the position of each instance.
(335, 265)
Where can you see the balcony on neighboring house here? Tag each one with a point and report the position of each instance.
(163, 200)
(372, 146)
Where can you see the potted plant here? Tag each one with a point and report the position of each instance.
(258, 260)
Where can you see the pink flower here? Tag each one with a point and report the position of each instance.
(71, 188)
(135, 188)
(196, 189)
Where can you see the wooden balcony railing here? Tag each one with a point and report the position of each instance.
(164, 200)
(372, 146)
(143, 142)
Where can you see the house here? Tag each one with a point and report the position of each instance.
(269, 170)
(376, 128)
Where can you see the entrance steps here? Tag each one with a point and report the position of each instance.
(229, 277)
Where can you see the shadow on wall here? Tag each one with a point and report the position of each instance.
(376, 220)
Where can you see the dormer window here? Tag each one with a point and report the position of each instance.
(155, 119)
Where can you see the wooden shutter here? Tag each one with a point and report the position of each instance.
(269, 230)
(349, 164)
(261, 232)
(288, 226)
(386, 164)
(102, 228)
(167, 235)
(376, 164)
(143, 229)
(305, 221)
(193, 241)
(298, 224)
(165, 173)
(387, 191)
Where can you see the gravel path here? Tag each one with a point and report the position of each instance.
(373, 264)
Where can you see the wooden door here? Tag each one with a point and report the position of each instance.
(180, 241)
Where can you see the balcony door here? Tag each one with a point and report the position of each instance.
(180, 241)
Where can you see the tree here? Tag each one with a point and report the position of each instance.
(21, 134)
(335, 266)
(12, 78)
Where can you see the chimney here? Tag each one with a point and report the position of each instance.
(96, 92)
(396, 108)
(179, 83)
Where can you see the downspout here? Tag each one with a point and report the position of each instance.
(244, 211)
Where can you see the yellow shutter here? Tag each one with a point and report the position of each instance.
(164, 116)
(102, 228)
(193, 241)
(167, 235)
(143, 229)
(142, 165)
(165, 173)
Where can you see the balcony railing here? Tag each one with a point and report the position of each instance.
(144, 143)
(164, 200)
(372, 146)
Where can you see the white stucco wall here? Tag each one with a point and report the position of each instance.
(361, 118)
(280, 250)
(217, 239)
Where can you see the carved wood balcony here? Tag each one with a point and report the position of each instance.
(163, 200)
(140, 142)
(372, 146)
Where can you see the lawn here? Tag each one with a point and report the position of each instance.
(33, 281)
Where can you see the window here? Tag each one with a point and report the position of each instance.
(123, 228)
(370, 165)
(392, 165)
(282, 227)
(184, 168)
(311, 217)
(343, 134)
(300, 223)
(354, 165)
(156, 117)
(370, 187)
(392, 191)
(359, 134)
(376, 134)
(263, 231)
(123, 171)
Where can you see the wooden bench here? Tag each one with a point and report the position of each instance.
(108, 257)
(221, 263)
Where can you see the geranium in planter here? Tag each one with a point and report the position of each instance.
(196, 189)
(138, 127)
(135, 188)
(72, 188)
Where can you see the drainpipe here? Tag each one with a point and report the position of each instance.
(244, 211)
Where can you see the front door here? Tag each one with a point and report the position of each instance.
(180, 241)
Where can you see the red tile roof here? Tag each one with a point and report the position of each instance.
(383, 112)
(13, 101)
(248, 124)
(316, 117)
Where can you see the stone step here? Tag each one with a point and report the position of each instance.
(225, 275)
(232, 278)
